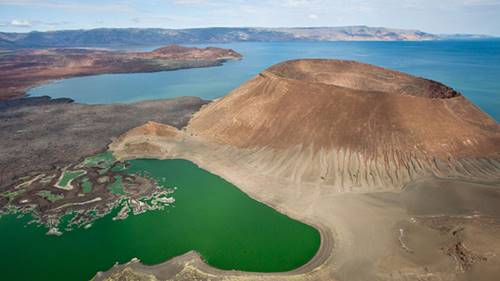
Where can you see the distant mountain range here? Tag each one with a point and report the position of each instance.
(159, 36)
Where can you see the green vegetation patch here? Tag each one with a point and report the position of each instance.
(65, 180)
(117, 186)
(50, 196)
(12, 194)
(86, 185)
(102, 160)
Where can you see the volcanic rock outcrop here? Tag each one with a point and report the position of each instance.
(352, 126)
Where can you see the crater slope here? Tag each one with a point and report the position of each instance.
(352, 126)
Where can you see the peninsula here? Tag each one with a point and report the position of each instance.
(22, 69)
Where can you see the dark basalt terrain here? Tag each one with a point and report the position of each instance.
(22, 69)
(41, 134)
(46, 169)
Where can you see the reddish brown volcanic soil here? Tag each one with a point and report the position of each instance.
(22, 69)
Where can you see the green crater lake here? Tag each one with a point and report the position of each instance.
(211, 216)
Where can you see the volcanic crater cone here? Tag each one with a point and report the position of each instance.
(349, 125)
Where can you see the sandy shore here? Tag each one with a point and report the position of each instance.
(361, 232)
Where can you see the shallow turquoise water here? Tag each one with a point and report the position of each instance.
(472, 67)
(228, 228)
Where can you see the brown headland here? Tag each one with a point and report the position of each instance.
(400, 172)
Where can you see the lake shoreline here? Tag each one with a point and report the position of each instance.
(26, 69)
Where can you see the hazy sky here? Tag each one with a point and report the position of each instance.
(437, 16)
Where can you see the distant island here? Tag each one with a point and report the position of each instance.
(160, 36)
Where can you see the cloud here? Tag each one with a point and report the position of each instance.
(69, 5)
(481, 2)
(297, 3)
(429, 15)
(190, 2)
(23, 23)
(17, 23)
(313, 16)
(20, 23)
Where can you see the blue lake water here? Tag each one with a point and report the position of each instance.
(471, 67)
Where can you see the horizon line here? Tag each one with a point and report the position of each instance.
(250, 27)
